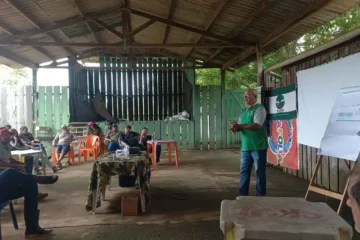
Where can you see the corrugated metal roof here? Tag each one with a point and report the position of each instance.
(236, 20)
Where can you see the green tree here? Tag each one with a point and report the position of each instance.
(13, 77)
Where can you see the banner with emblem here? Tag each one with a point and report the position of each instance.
(282, 103)
(283, 144)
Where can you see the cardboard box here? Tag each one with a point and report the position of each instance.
(281, 218)
(130, 205)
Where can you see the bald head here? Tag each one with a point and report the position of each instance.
(251, 96)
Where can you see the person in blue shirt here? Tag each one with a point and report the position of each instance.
(143, 138)
(129, 138)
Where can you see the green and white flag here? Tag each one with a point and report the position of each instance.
(282, 103)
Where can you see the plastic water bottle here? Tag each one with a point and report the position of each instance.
(153, 137)
(126, 152)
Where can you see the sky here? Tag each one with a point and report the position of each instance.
(52, 77)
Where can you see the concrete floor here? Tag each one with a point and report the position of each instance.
(185, 202)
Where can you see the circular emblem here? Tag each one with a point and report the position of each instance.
(281, 138)
(280, 101)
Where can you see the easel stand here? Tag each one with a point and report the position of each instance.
(322, 191)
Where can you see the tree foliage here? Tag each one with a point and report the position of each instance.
(246, 76)
(13, 77)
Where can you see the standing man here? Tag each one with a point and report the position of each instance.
(254, 143)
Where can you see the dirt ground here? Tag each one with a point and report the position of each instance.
(185, 202)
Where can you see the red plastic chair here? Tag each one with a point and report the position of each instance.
(71, 154)
(89, 145)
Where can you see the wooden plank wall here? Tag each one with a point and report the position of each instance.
(334, 173)
(142, 94)
(181, 131)
(53, 107)
(210, 113)
(234, 107)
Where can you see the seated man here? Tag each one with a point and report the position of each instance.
(108, 127)
(129, 138)
(14, 184)
(94, 129)
(27, 138)
(112, 139)
(144, 137)
(354, 195)
(62, 143)
(17, 144)
(8, 127)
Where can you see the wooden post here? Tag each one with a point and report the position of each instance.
(223, 111)
(34, 99)
(260, 72)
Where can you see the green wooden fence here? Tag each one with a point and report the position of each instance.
(206, 131)
(52, 109)
(235, 104)
(209, 110)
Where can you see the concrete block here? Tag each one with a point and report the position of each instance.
(130, 205)
(277, 218)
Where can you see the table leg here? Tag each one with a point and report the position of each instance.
(96, 194)
(148, 148)
(142, 194)
(154, 155)
(43, 163)
(176, 154)
(169, 152)
(142, 200)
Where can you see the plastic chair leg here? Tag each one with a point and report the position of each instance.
(13, 215)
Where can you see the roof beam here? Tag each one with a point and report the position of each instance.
(81, 12)
(15, 58)
(141, 27)
(107, 27)
(21, 11)
(131, 67)
(264, 4)
(117, 45)
(171, 10)
(280, 31)
(46, 29)
(210, 24)
(62, 24)
(125, 27)
(40, 50)
(185, 27)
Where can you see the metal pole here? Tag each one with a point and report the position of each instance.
(34, 98)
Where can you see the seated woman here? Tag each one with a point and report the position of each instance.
(17, 142)
(112, 139)
(144, 137)
(94, 129)
(62, 143)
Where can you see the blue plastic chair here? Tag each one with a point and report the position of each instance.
(13, 215)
